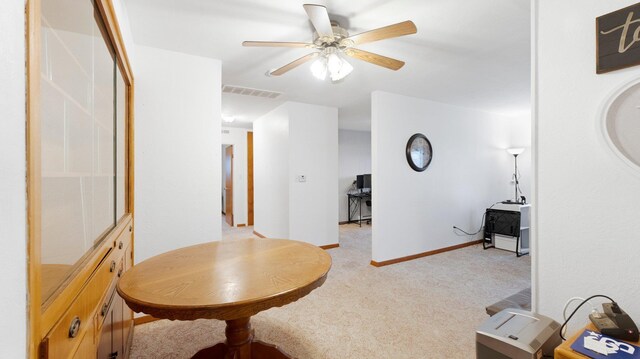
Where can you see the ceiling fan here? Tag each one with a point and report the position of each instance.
(331, 40)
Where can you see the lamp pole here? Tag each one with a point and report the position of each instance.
(515, 152)
(515, 176)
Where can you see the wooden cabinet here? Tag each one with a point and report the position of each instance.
(115, 336)
(98, 321)
(113, 343)
(80, 179)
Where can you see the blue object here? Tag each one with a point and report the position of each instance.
(616, 349)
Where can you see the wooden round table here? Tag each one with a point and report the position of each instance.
(228, 280)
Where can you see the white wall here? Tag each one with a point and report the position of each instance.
(297, 139)
(238, 138)
(586, 201)
(415, 211)
(354, 157)
(271, 173)
(177, 144)
(313, 152)
(13, 223)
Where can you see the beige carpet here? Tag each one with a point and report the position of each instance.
(229, 232)
(425, 308)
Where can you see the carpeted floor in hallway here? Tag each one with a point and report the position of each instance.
(425, 308)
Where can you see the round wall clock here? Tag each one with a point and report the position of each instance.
(419, 152)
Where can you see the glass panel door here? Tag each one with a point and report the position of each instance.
(121, 145)
(77, 111)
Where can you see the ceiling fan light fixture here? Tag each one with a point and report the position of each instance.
(331, 41)
(319, 68)
(334, 63)
(344, 71)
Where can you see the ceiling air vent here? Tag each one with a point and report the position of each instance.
(250, 92)
(225, 132)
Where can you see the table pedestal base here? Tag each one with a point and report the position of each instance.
(241, 345)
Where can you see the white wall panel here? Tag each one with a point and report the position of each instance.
(13, 221)
(415, 212)
(587, 205)
(177, 144)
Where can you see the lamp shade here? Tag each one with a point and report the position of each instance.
(515, 150)
(334, 63)
(345, 70)
(330, 63)
(319, 68)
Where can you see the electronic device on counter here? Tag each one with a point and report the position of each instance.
(523, 200)
(614, 322)
(363, 182)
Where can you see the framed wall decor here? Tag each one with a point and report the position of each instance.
(618, 39)
(619, 125)
(419, 152)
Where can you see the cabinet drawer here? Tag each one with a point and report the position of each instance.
(60, 343)
(108, 287)
(104, 282)
(124, 240)
(75, 333)
(67, 334)
(128, 258)
(87, 348)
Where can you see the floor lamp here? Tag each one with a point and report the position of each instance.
(515, 152)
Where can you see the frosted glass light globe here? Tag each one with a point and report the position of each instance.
(319, 69)
(334, 63)
(344, 71)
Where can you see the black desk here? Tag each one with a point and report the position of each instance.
(355, 201)
(507, 222)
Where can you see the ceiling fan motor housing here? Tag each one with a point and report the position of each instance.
(338, 40)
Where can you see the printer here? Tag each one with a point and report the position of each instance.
(517, 334)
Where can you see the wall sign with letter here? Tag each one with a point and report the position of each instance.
(618, 39)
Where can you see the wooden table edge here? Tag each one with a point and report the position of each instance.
(222, 311)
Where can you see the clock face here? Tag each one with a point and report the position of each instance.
(419, 152)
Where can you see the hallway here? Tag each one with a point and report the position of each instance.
(229, 232)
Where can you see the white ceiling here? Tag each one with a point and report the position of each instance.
(467, 53)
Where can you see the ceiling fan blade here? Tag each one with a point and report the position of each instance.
(276, 44)
(320, 19)
(387, 32)
(375, 59)
(294, 64)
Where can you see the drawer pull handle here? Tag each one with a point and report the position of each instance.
(120, 245)
(129, 228)
(74, 328)
(112, 267)
(119, 272)
(105, 308)
(113, 355)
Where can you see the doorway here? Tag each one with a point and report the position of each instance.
(250, 178)
(228, 184)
